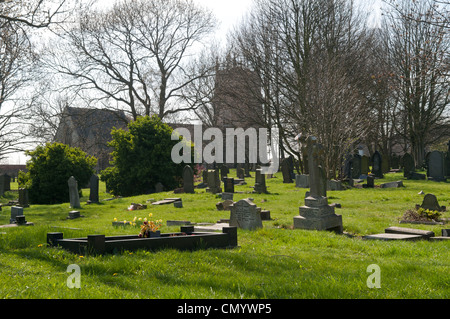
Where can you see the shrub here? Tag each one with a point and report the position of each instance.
(141, 158)
(49, 168)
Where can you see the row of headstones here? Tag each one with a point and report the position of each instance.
(74, 196)
(213, 177)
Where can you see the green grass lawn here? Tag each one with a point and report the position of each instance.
(275, 262)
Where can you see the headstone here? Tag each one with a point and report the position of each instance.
(240, 172)
(385, 164)
(302, 181)
(260, 182)
(348, 164)
(23, 197)
(316, 214)
(409, 231)
(188, 179)
(93, 192)
(370, 181)
(430, 202)
(224, 171)
(334, 185)
(15, 211)
(213, 182)
(408, 165)
(74, 214)
(376, 164)
(365, 169)
(205, 176)
(356, 166)
(247, 170)
(228, 185)
(436, 166)
(74, 196)
(5, 179)
(244, 214)
(286, 171)
(159, 187)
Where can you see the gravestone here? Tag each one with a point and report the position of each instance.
(15, 211)
(376, 164)
(5, 180)
(213, 182)
(436, 166)
(260, 182)
(188, 179)
(159, 187)
(356, 166)
(240, 172)
(228, 185)
(74, 196)
(224, 171)
(244, 214)
(408, 165)
(392, 184)
(227, 196)
(370, 181)
(205, 176)
(286, 171)
(385, 164)
(93, 189)
(302, 181)
(247, 169)
(430, 202)
(348, 163)
(23, 197)
(365, 169)
(316, 214)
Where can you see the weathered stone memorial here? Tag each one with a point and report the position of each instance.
(74, 196)
(430, 202)
(436, 166)
(316, 214)
(93, 189)
(365, 168)
(260, 182)
(376, 164)
(23, 197)
(302, 181)
(408, 165)
(213, 182)
(188, 179)
(286, 171)
(228, 185)
(15, 211)
(244, 214)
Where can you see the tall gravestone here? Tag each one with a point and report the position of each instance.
(188, 179)
(240, 172)
(93, 189)
(15, 211)
(356, 166)
(74, 196)
(365, 168)
(316, 214)
(408, 165)
(213, 182)
(6, 179)
(244, 214)
(376, 164)
(260, 182)
(228, 185)
(23, 197)
(224, 171)
(436, 166)
(286, 171)
(385, 166)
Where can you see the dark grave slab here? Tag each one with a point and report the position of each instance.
(186, 239)
(392, 184)
(74, 214)
(166, 201)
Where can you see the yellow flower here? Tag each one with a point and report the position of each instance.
(150, 215)
(115, 219)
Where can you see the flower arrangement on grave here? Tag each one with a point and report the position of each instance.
(149, 226)
(421, 214)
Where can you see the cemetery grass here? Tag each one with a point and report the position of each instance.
(275, 262)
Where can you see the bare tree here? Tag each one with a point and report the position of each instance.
(134, 55)
(419, 44)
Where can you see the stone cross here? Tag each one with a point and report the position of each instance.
(314, 150)
(73, 193)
